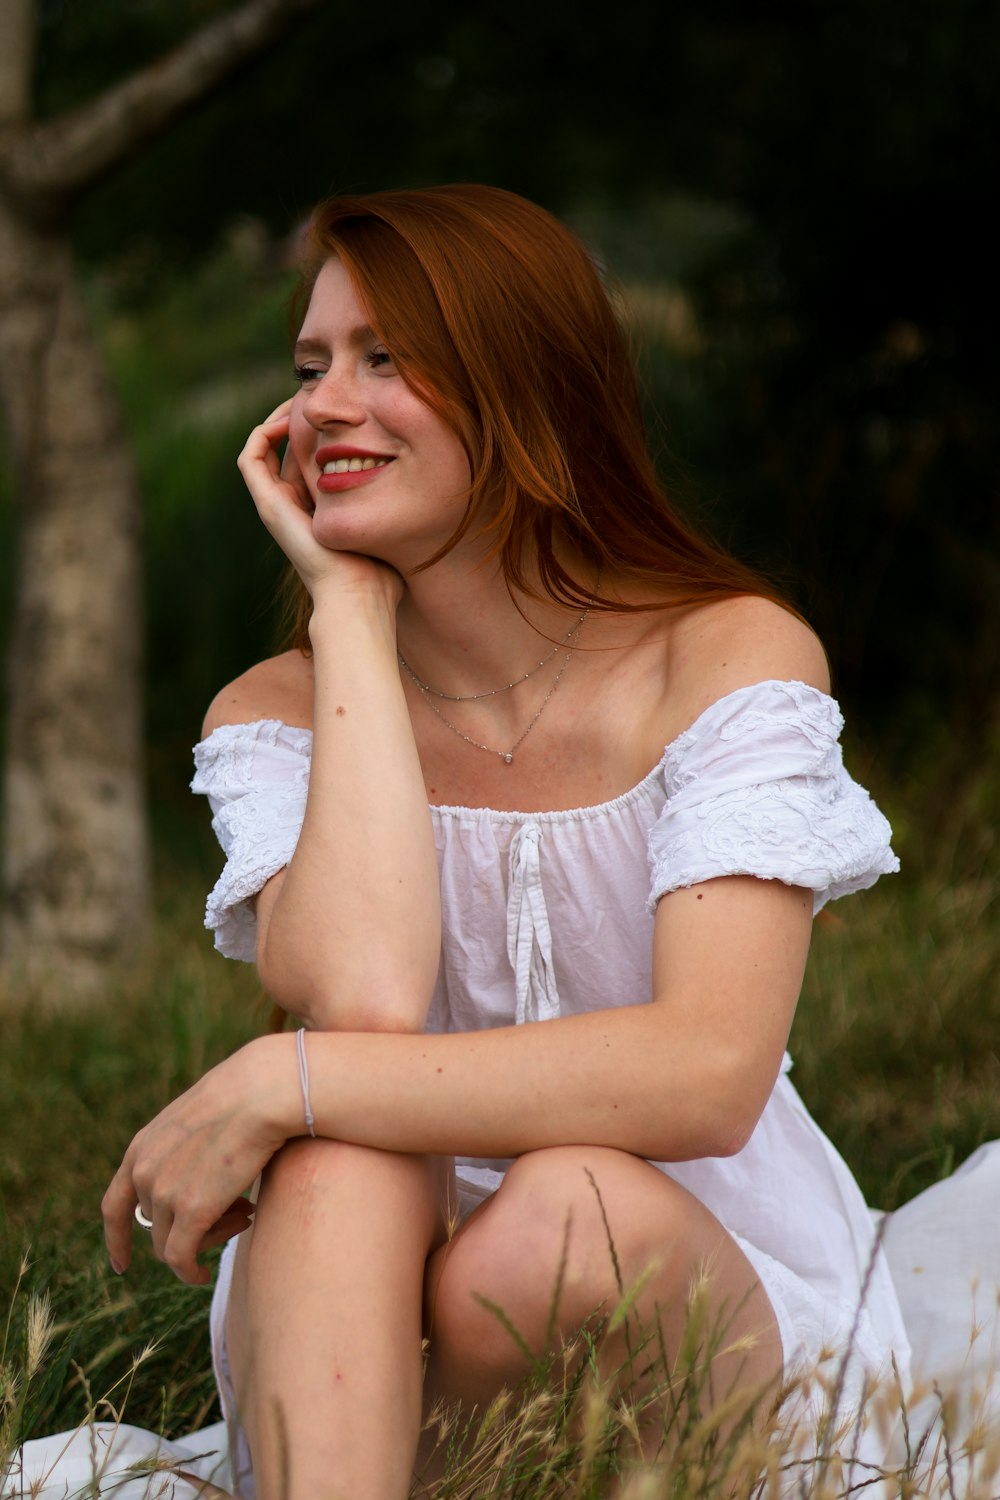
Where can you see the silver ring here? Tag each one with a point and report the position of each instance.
(141, 1220)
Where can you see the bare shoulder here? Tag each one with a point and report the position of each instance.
(735, 643)
(279, 688)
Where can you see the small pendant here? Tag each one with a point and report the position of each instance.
(508, 756)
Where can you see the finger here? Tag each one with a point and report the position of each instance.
(117, 1207)
(181, 1249)
(258, 461)
(261, 445)
(291, 474)
(227, 1228)
(290, 470)
(189, 1234)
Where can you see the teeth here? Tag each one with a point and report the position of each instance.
(354, 465)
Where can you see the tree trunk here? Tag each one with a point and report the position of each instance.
(76, 862)
(17, 51)
(76, 859)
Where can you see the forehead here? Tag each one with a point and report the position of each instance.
(335, 307)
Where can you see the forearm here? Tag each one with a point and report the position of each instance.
(353, 939)
(629, 1078)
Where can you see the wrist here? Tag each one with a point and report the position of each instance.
(367, 611)
(353, 639)
(276, 1084)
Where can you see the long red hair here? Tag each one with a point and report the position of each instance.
(496, 316)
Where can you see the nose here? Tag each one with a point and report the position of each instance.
(334, 399)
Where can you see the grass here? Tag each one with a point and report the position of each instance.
(895, 1052)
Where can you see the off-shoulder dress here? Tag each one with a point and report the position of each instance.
(549, 914)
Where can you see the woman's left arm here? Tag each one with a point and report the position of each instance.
(683, 1077)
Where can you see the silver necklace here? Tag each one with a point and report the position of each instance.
(506, 756)
(426, 688)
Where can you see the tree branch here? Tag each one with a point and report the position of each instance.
(44, 165)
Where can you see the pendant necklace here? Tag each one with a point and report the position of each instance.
(568, 643)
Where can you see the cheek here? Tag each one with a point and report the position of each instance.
(450, 458)
(299, 431)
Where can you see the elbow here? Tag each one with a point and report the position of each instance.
(740, 1095)
(346, 1006)
(719, 1137)
(720, 1120)
(734, 1135)
(373, 1011)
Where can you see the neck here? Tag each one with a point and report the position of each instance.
(465, 634)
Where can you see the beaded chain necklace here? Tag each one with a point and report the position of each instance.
(568, 643)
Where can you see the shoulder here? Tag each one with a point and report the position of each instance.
(717, 648)
(279, 688)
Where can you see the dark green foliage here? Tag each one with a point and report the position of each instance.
(840, 417)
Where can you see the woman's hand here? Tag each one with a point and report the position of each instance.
(284, 505)
(189, 1167)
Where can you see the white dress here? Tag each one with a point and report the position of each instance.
(549, 914)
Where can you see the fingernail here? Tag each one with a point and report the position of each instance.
(118, 1270)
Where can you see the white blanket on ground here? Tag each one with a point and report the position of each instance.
(944, 1251)
(116, 1460)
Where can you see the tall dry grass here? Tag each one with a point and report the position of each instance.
(895, 1052)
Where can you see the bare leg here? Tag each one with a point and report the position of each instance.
(510, 1253)
(324, 1323)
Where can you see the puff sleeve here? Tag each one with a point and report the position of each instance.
(757, 786)
(256, 777)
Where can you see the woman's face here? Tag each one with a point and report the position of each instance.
(386, 474)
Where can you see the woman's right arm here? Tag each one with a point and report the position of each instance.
(349, 931)
(349, 934)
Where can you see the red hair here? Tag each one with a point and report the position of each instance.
(495, 315)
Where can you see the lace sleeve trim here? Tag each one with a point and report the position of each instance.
(757, 787)
(256, 777)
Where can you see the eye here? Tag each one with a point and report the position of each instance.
(378, 358)
(306, 374)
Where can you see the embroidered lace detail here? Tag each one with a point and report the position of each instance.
(256, 777)
(757, 786)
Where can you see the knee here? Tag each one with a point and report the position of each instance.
(303, 1163)
(569, 1228)
(600, 1216)
(305, 1169)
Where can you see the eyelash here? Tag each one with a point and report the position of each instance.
(375, 359)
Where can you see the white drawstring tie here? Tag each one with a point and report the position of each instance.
(529, 936)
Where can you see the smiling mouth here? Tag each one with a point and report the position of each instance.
(354, 465)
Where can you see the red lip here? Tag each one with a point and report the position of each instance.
(332, 484)
(333, 451)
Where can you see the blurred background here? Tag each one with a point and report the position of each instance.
(794, 196)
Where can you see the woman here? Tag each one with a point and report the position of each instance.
(504, 619)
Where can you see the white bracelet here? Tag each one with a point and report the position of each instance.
(300, 1052)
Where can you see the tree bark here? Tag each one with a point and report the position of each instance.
(17, 48)
(75, 865)
(76, 858)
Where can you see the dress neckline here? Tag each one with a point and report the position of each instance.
(462, 811)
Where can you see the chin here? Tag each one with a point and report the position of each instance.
(401, 553)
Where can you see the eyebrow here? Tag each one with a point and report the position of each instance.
(362, 334)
